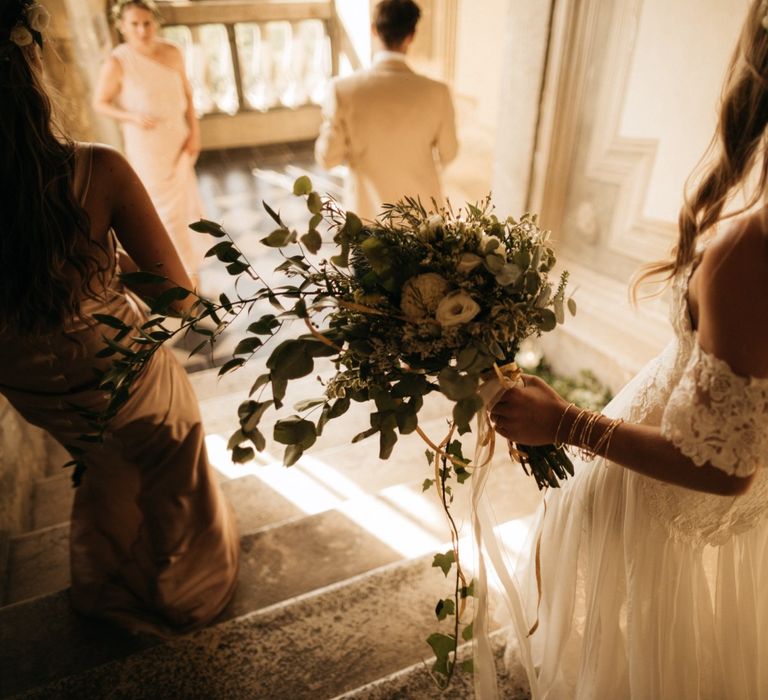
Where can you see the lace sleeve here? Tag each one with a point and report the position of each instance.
(716, 416)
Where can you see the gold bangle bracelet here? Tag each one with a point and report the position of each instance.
(560, 425)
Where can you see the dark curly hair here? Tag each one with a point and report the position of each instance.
(47, 260)
(395, 20)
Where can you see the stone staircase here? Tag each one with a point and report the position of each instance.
(335, 590)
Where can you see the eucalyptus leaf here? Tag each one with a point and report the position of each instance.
(364, 434)
(279, 386)
(261, 380)
(464, 411)
(111, 321)
(273, 214)
(456, 386)
(247, 346)
(314, 203)
(306, 404)
(295, 430)
(278, 238)
(387, 441)
(240, 454)
(290, 360)
(237, 267)
(292, 455)
(209, 227)
(229, 365)
(302, 186)
(312, 241)
(167, 298)
(548, 320)
(557, 307)
(265, 325)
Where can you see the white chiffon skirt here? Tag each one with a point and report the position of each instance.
(631, 602)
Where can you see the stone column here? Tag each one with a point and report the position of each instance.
(78, 43)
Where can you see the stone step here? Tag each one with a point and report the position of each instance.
(312, 647)
(414, 683)
(277, 564)
(52, 499)
(39, 560)
(399, 514)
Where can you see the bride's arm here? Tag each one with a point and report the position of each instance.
(731, 306)
(532, 416)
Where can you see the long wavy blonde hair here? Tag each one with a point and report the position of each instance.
(736, 153)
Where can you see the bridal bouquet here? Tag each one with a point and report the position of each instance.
(413, 303)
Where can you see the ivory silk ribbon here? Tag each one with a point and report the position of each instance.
(488, 552)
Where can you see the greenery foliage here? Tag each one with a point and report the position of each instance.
(415, 303)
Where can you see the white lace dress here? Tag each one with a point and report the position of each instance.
(652, 591)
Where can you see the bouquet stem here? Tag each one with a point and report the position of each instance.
(548, 464)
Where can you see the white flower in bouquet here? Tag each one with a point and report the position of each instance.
(455, 309)
(21, 36)
(422, 294)
(468, 262)
(38, 18)
(427, 229)
(491, 244)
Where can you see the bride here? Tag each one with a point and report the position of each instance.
(653, 564)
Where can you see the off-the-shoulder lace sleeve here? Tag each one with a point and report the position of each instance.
(719, 417)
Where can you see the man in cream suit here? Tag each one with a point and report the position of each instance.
(394, 128)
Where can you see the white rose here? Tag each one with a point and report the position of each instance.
(468, 262)
(455, 309)
(491, 244)
(20, 35)
(422, 294)
(427, 229)
(435, 222)
(424, 233)
(38, 18)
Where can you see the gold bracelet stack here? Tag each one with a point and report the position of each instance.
(558, 443)
(581, 433)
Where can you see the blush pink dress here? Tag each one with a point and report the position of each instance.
(152, 88)
(154, 547)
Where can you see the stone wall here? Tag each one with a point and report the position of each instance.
(78, 43)
(26, 454)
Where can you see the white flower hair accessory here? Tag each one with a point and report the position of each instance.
(33, 20)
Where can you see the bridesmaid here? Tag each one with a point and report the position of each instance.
(143, 85)
(153, 545)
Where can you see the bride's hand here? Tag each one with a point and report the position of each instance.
(529, 414)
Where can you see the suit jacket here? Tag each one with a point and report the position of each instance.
(394, 128)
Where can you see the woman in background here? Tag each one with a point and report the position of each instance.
(153, 544)
(144, 86)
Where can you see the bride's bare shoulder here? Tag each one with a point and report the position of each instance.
(732, 290)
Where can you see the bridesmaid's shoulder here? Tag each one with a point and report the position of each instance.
(170, 51)
(108, 164)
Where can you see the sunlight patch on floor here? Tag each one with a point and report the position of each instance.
(409, 522)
